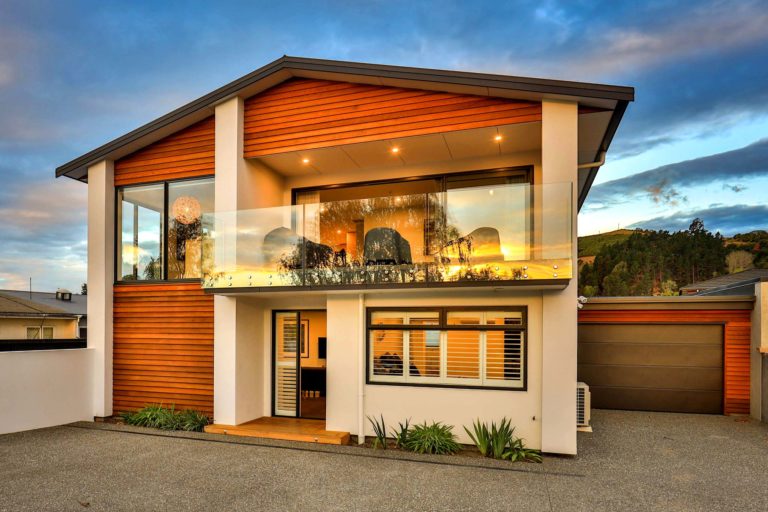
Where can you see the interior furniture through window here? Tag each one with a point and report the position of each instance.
(160, 230)
(458, 346)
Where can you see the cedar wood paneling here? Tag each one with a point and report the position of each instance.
(187, 153)
(163, 346)
(736, 344)
(307, 113)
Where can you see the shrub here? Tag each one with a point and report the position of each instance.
(401, 434)
(436, 438)
(166, 418)
(192, 421)
(499, 442)
(380, 429)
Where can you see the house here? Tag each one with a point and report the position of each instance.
(29, 323)
(62, 299)
(335, 240)
(738, 283)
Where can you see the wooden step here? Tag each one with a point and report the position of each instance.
(286, 429)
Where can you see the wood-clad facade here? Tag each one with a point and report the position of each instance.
(188, 153)
(736, 341)
(162, 346)
(303, 114)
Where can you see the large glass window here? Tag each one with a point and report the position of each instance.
(187, 202)
(160, 230)
(448, 347)
(140, 232)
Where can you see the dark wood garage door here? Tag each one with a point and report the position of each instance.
(653, 367)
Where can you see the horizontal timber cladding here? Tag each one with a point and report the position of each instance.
(188, 153)
(306, 114)
(691, 353)
(162, 347)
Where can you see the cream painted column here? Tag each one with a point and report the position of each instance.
(559, 157)
(101, 264)
(759, 346)
(229, 147)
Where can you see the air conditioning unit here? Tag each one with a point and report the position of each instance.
(583, 405)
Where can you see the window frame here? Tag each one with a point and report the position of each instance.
(41, 330)
(164, 253)
(420, 381)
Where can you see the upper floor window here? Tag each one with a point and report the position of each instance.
(160, 229)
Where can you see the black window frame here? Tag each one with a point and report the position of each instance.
(165, 184)
(444, 326)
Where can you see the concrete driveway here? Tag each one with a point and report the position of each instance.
(633, 461)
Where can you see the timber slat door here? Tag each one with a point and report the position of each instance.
(286, 372)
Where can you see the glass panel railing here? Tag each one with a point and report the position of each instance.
(495, 233)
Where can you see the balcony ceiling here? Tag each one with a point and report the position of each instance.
(478, 143)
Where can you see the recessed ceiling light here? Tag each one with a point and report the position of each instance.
(305, 160)
(497, 138)
(395, 149)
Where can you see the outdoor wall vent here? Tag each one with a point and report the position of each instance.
(583, 405)
(63, 294)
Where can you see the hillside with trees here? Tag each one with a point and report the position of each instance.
(659, 262)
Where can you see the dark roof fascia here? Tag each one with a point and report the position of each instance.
(613, 125)
(539, 85)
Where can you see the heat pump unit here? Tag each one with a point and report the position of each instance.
(582, 405)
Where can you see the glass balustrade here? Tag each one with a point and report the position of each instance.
(482, 234)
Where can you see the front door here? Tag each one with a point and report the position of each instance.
(299, 352)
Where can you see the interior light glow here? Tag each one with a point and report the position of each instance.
(395, 150)
(498, 138)
(305, 160)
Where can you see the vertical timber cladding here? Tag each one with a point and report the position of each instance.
(163, 347)
(302, 114)
(736, 329)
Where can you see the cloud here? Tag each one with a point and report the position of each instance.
(734, 188)
(662, 184)
(728, 220)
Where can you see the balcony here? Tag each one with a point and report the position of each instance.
(512, 234)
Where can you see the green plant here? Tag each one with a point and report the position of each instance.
(499, 442)
(380, 429)
(192, 421)
(436, 438)
(153, 416)
(166, 418)
(401, 434)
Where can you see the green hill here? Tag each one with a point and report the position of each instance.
(591, 245)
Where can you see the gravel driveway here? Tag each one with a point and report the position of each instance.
(633, 461)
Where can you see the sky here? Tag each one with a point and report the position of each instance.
(74, 75)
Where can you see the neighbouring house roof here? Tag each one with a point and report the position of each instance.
(77, 306)
(727, 282)
(17, 307)
(609, 97)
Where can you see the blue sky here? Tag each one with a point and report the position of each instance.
(74, 75)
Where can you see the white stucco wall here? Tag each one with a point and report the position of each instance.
(559, 160)
(45, 388)
(455, 406)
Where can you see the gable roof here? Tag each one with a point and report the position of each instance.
(11, 306)
(612, 97)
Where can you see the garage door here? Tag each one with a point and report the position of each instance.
(653, 367)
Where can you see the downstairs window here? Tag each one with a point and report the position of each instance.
(462, 347)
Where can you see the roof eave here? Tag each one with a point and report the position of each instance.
(78, 168)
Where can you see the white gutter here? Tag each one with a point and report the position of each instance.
(590, 165)
(361, 370)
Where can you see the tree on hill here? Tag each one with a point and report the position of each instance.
(655, 262)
